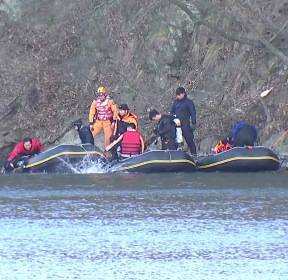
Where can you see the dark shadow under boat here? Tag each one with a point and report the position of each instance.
(156, 161)
(241, 159)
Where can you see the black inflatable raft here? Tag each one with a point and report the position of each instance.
(157, 161)
(61, 159)
(241, 159)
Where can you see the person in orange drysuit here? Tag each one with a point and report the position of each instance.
(103, 111)
(124, 118)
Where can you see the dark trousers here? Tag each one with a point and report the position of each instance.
(188, 136)
(168, 144)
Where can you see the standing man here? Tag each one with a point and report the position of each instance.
(103, 111)
(184, 109)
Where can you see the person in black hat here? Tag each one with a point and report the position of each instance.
(124, 107)
(184, 109)
(84, 132)
(125, 117)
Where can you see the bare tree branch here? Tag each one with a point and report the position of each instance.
(279, 31)
(223, 33)
(141, 16)
(272, 49)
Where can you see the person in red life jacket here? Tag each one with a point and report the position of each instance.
(27, 147)
(102, 111)
(132, 142)
(222, 146)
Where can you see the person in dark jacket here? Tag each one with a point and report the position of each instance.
(84, 132)
(184, 109)
(27, 147)
(243, 134)
(166, 129)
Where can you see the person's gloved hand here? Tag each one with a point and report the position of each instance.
(20, 163)
(193, 126)
(107, 155)
(113, 124)
(113, 138)
(156, 141)
(9, 166)
(155, 130)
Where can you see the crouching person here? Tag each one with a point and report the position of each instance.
(131, 142)
(84, 132)
(27, 147)
(243, 134)
(166, 129)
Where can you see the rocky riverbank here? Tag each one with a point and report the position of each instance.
(53, 56)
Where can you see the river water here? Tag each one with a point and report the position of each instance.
(133, 226)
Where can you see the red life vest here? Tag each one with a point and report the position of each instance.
(222, 147)
(104, 111)
(131, 143)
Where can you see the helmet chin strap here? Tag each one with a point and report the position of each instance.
(103, 96)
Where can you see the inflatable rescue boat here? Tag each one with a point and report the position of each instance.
(61, 159)
(156, 161)
(241, 159)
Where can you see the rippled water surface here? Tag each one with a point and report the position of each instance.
(196, 226)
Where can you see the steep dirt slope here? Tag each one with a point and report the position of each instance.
(55, 53)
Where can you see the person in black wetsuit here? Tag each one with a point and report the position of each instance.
(184, 109)
(84, 132)
(166, 129)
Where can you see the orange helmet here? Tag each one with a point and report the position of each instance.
(102, 90)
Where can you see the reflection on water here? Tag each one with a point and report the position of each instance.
(132, 226)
